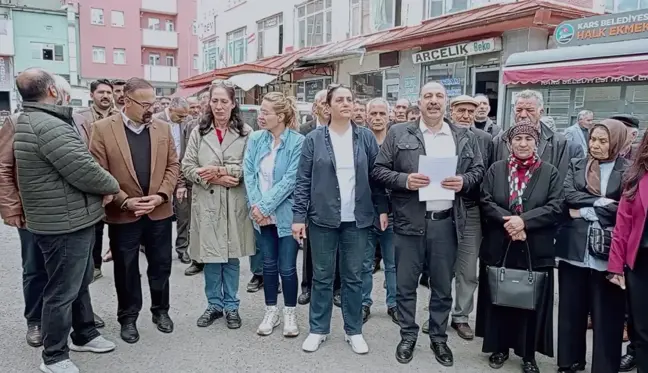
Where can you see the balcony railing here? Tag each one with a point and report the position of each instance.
(160, 6)
(167, 74)
(159, 39)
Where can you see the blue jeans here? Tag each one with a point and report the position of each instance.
(279, 259)
(222, 283)
(386, 240)
(34, 277)
(351, 243)
(256, 262)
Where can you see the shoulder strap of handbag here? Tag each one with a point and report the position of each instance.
(528, 250)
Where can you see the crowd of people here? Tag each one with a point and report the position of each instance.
(345, 188)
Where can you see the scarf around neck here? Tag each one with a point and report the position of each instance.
(520, 172)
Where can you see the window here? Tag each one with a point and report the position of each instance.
(119, 56)
(306, 90)
(195, 62)
(154, 59)
(210, 55)
(96, 16)
(236, 47)
(314, 21)
(76, 102)
(170, 26)
(99, 54)
(368, 16)
(603, 101)
(47, 52)
(436, 8)
(367, 86)
(270, 36)
(117, 18)
(617, 6)
(153, 23)
(170, 60)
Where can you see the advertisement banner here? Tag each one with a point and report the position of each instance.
(603, 29)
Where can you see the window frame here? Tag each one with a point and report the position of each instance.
(470, 4)
(326, 26)
(153, 26)
(157, 62)
(112, 18)
(96, 49)
(262, 27)
(121, 51)
(240, 34)
(172, 58)
(168, 23)
(100, 22)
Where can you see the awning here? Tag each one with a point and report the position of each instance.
(188, 92)
(596, 63)
(481, 22)
(250, 80)
(344, 49)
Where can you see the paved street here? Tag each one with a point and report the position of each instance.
(217, 349)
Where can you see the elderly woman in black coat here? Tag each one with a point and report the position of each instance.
(521, 203)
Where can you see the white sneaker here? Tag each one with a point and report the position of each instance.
(291, 329)
(99, 345)
(270, 321)
(313, 341)
(358, 344)
(65, 366)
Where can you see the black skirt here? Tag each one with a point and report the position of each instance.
(524, 331)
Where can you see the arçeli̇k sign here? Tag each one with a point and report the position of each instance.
(603, 29)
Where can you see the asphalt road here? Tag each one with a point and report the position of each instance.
(217, 349)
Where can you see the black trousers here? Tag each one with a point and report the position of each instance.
(637, 283)
(125, 240)
(34, 277)
(66, 299)
(98, 245)
(307, 269)
(583, 291)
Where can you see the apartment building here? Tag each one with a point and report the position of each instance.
(151, 39)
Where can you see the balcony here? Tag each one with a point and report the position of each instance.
(159, 39)
(166, 74)
(6, 38)
(160, 6)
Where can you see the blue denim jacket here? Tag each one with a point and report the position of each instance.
(317, 194)
(278, 200)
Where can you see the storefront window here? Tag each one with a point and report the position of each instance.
(452, 75)
(307, 89)
(602, 101)
(557, 106)
(636, 100)
(367, 86)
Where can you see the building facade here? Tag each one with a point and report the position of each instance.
(151, 39)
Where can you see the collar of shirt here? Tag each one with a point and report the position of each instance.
(132, 125)
(445, 129)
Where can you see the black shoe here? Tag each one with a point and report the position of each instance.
(34, 336)
(233, 319)
(442, 353)
(129, 333)
(184, 258)
(337, 299)
(194, 269)
(304, 298)
(163, 322)
(497, 360)
(99, 323)
(530, 367)
(255, 284)
(393, 313)
(576, 367)
(366, 312)
(628, 363)
(405, 351)
(208, 317)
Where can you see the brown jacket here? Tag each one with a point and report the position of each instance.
(10, 204)
(110, 148)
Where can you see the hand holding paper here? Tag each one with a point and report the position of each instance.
(442, 175)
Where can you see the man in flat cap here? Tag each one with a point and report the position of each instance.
(632, 123)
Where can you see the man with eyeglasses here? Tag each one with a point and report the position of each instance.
(139, 151)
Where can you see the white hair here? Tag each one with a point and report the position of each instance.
(179, 102)
(62, 84)
(529, 93)
(584, 113)
(377, 101)
(321, 95)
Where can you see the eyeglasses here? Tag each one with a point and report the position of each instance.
(146, 106)
(224, 83)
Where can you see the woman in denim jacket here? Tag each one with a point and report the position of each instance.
(270, 171)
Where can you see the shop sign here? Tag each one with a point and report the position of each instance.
(603, 29)
(459, 50)
(609, 79)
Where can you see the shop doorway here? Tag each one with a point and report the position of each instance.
(486, 82)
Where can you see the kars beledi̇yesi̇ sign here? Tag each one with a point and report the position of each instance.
(603, 29)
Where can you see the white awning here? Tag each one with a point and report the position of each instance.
(250, 80)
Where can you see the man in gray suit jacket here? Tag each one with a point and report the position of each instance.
(176, 115)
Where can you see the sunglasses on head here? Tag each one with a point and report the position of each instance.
(223, 83)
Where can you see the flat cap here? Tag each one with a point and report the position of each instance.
(463, 99)
(627, 119)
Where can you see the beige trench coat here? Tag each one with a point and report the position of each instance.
(221, 228)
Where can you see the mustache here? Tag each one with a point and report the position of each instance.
(433, 106)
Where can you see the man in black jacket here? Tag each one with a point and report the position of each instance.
(552, 148)
(427, 229)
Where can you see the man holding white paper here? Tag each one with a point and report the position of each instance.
(427, 222)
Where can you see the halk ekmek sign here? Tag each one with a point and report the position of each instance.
(603, 29)
(459, 50)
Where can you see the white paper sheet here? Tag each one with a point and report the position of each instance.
(437, 169)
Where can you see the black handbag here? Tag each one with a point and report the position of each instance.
(516, 288)
(599, 241)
